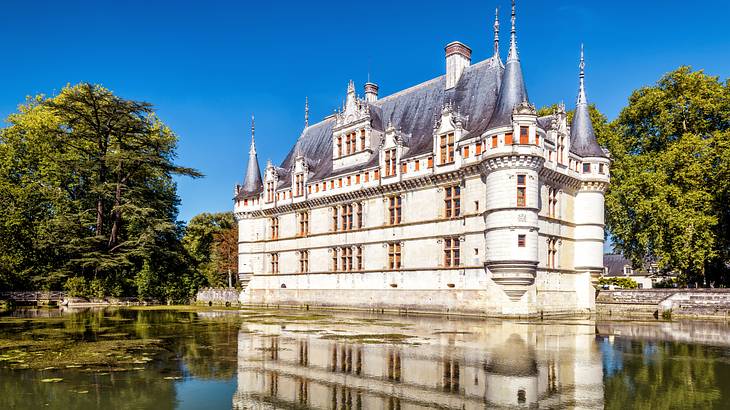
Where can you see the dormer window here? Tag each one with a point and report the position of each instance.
(299, 185)
(390, 162)
(446, 148)
(362, 140)
(270, 191)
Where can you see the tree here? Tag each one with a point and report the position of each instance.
(669, 192)
(212, 240)
(89, 175)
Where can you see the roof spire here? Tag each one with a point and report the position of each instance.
(512, 90)
(306, 111)
(582, 135)
(513, 37)
(252, 182)
(496, 32)
(253, 133)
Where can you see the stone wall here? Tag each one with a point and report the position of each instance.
(217, 296)
(674, 302)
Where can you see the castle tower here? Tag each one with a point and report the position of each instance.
(250, 191)
(512, 190)
(589, 200)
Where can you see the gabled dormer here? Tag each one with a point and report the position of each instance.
(271, 183)
(353, 136)
(394, 146)
(299, 176)
(448, 131)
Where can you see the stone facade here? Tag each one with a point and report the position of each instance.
(432, 200)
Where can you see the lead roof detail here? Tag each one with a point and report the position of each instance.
(252, 182)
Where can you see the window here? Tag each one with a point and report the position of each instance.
(521, 241)
(552, 202)
(430, 162)
(508, 138)
(478, 148)
(274, 258)
(446, 148)
(404, 168)
(335, 219)
(466, 152)
(274, 223)
(346, 217)
(627, 270)
(346, 259)
(452, 201)
(376, 174)
(357, 178)
(299, 184)
(586, 168)
(601, 169)
(358, 257)
(358, 206)
(334, 252)
(561, 147)
(524, 135)
(339, 146)
(537, 138)
(303, 223)
(394, 210)
(270, 188)
(303, 261)
(367, 176)
(417, 165)
(394, 250)
(451, 251)
(362, 140)
(521, 190)
(390, 162)
(551, 252)
(494, 141)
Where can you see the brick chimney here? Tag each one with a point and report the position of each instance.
(458, 57)
(371, 92)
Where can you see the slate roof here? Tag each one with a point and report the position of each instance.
(413, 111)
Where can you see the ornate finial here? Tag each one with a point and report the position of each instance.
(351, 87)
(253, 132)
(582, 66)
(306, 111)
(496, 31)
(513, 37)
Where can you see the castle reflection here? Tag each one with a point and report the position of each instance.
(435, 364)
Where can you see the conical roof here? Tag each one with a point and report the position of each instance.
(512, 91)
(252, 183)
(582, 135)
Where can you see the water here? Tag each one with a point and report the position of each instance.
(266, 359)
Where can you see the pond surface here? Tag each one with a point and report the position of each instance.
(185, 358)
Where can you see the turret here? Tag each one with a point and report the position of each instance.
(252, 182)
(589, 200)
(512, 197)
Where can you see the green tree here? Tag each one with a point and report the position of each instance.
(89, 177)
(668, 197)
(209, 238)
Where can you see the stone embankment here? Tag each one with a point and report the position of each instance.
(706, 303)
(217, 296)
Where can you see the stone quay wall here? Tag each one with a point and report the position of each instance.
(709, 303)
(217, 296)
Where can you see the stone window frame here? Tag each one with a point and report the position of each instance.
(452, 201)
(452, 252)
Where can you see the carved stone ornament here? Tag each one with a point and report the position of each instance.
(524, 108)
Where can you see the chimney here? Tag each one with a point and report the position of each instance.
(458, 57)
(371, 92)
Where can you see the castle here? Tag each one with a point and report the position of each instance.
(449, 196)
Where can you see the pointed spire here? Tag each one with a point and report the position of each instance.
(582, 135)
(252, 182)
(306, 111)
(512, 90)
(496, 32)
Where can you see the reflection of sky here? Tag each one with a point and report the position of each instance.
(204, 394)
(611, 357)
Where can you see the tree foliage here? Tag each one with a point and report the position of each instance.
(87, 181)
(668, 200)
(212, 241)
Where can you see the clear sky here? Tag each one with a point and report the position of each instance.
(207, 65)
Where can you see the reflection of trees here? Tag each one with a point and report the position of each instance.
(664, 375)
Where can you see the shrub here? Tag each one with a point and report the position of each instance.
(624, 283)
(76, 287)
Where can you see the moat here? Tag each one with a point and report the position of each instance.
(196, 358)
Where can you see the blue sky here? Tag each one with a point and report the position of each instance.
(207, 65)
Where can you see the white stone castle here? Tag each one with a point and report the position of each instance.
(449, 196)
